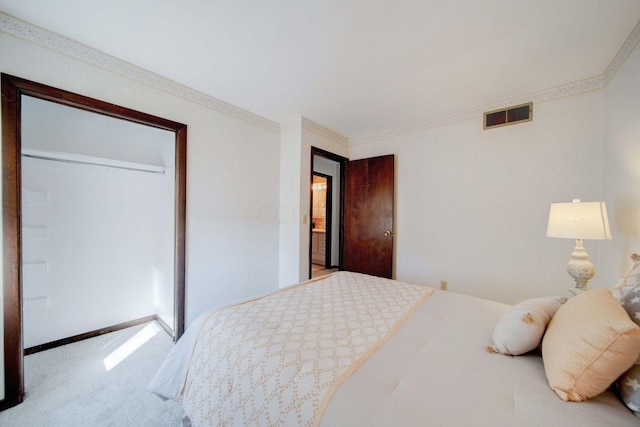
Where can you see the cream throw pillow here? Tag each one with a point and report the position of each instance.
(589, 342)
(521, 328)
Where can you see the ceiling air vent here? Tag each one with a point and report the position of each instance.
(508, 116)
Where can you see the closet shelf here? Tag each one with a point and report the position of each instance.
(37, 267)
(90, 160)
(39, 302)
(35, 231)
(34, 196)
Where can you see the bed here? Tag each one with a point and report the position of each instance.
(356, 350)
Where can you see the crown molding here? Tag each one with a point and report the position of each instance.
(569, 89)
(76, 50)
(304, 123)
(294, 124)
(321, 130)
(47, 39)
(627, 47)
(563, 91)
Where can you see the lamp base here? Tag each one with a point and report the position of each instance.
(575, 291)
(580, 268)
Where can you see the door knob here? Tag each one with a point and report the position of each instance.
(388, 233)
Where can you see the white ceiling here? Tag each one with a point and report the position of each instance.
(357, 67)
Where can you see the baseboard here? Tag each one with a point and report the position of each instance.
(98, 332)
(166, 327)
(6, 404)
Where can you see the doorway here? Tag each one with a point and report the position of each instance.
(325, 232)
(13, 90)
(366, 212)
(321, 222)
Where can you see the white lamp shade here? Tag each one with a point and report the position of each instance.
(579, 220)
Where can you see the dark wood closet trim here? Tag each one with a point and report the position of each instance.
(12, 89)
(341, 161)
(12, 258)
(96, 333)
(329, 223)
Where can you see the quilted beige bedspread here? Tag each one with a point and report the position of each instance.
(278, 359)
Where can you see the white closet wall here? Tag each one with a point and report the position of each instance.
(97, 240)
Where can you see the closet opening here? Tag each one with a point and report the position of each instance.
(93, 213)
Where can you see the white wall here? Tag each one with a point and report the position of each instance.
(290, 213)
(233, 172)
(472, 205)
(97, 252)
(621, 159)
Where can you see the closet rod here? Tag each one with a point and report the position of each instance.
(56, 157)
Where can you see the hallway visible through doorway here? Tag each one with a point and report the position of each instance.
(318, 270)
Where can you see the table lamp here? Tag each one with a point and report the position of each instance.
(579, 220)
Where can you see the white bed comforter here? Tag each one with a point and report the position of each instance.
(433, 371)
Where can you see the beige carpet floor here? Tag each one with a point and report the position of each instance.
(97, 382)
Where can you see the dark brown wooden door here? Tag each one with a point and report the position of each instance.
(368, 216)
